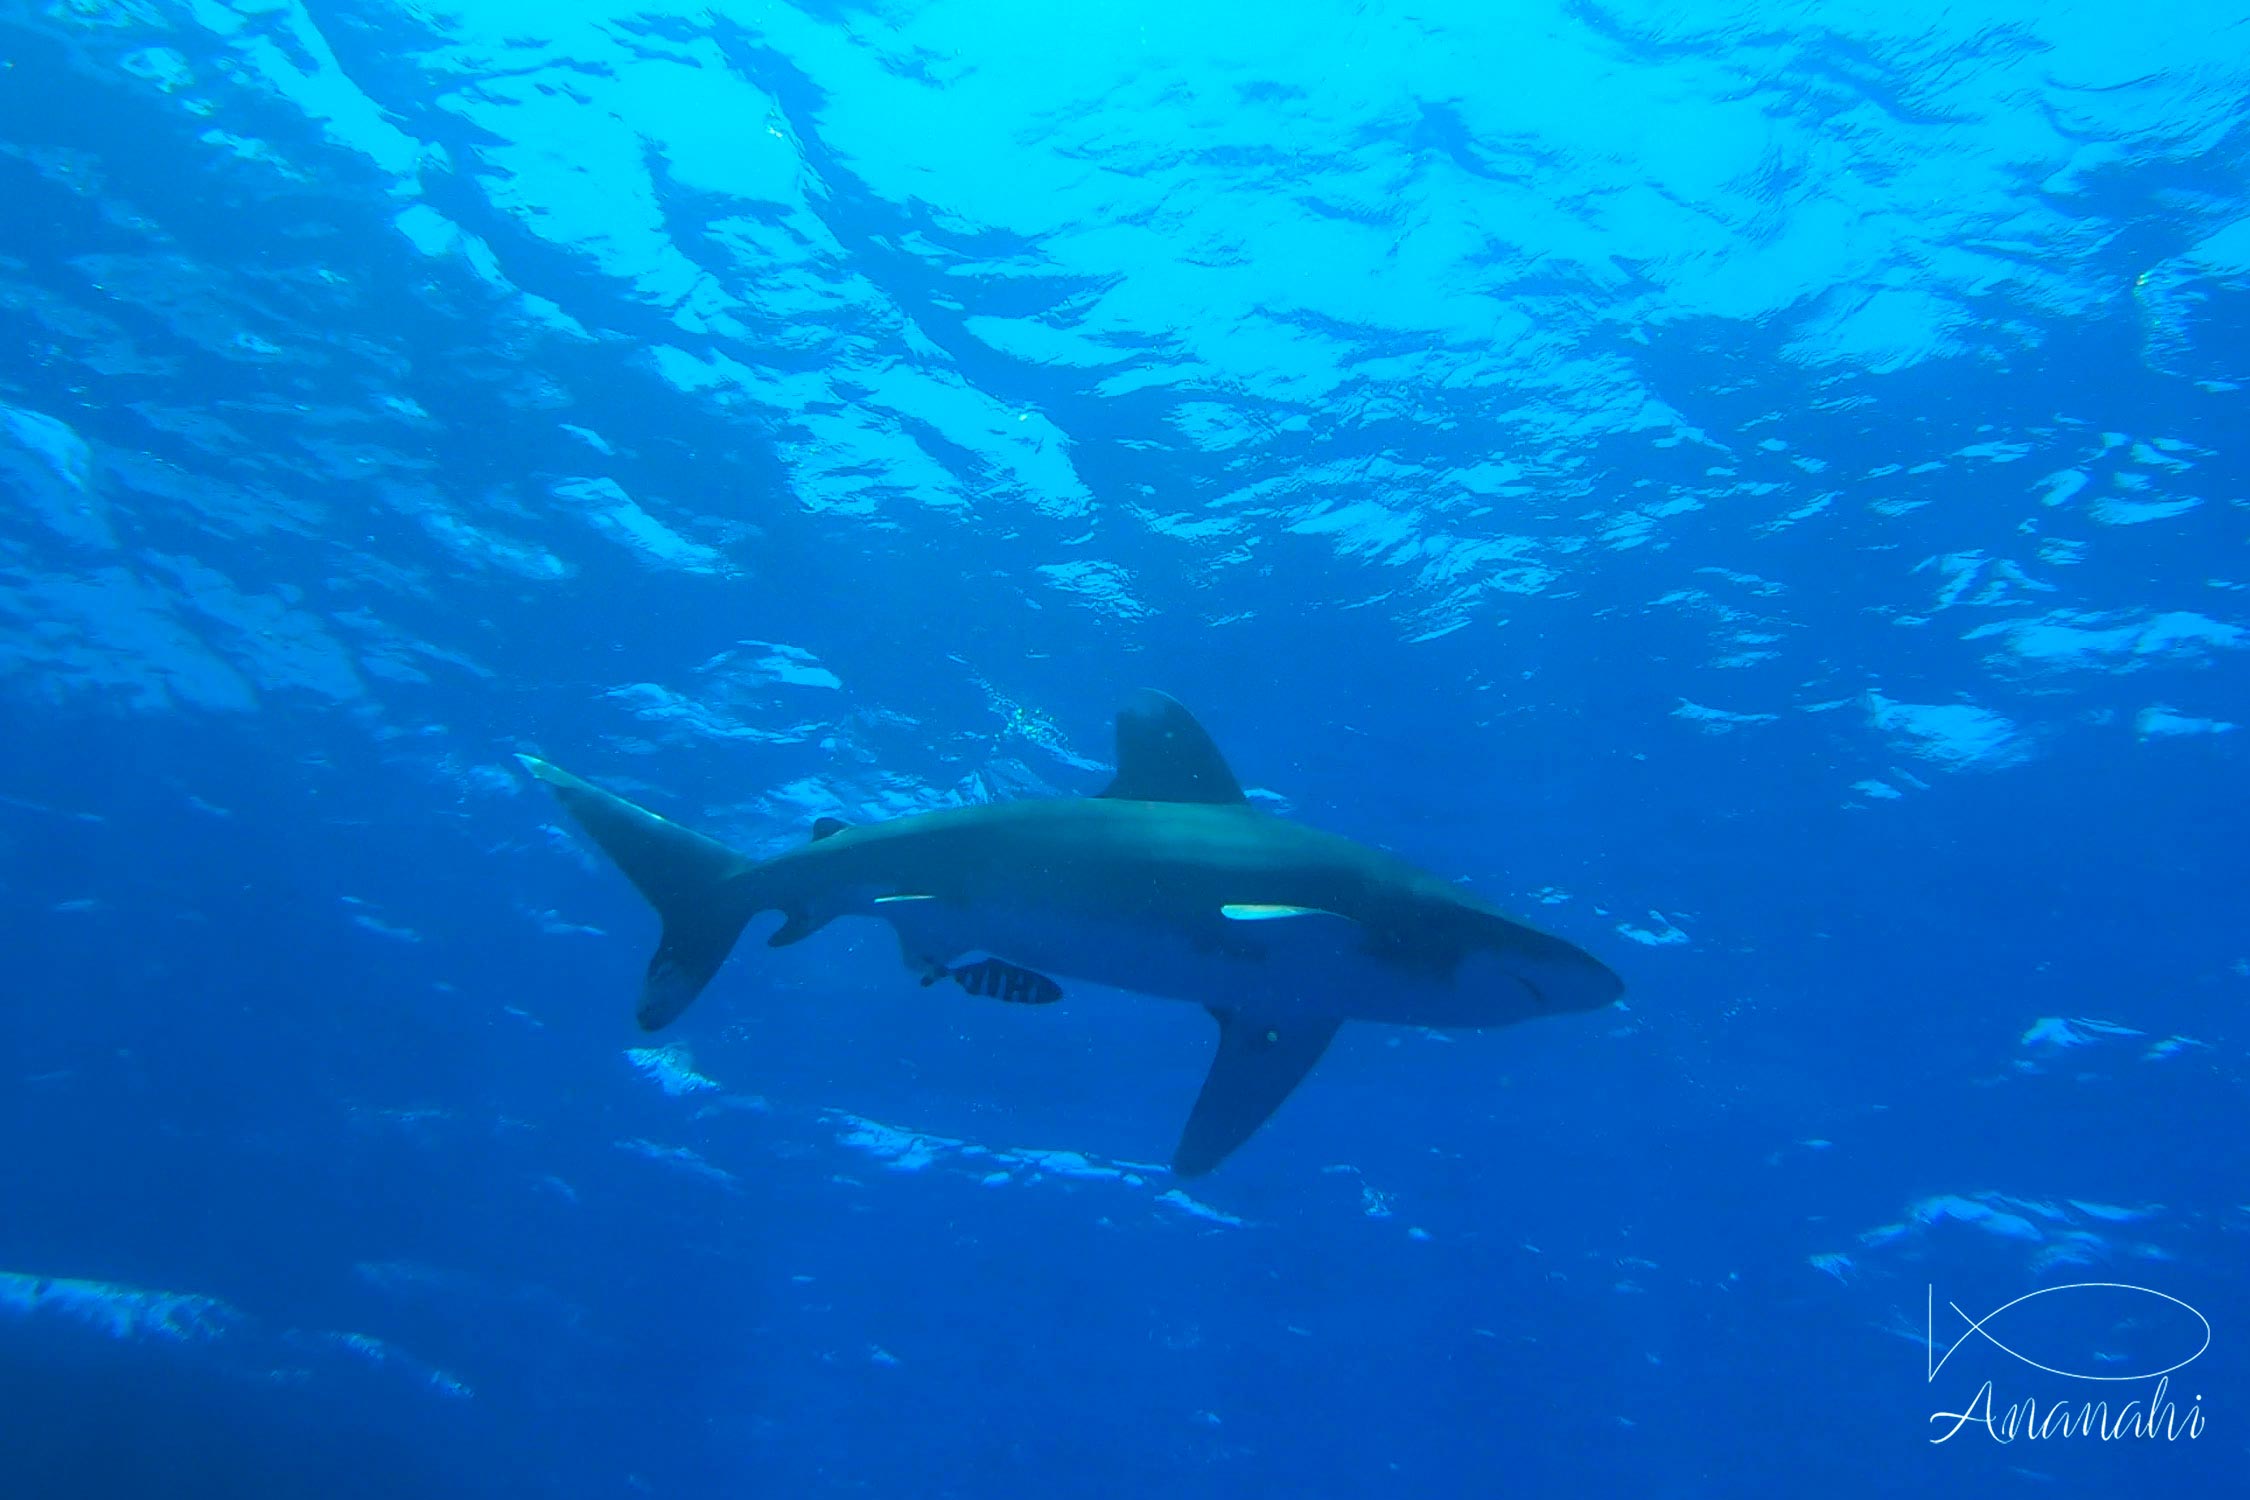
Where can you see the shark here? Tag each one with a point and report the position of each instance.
(1168, 883)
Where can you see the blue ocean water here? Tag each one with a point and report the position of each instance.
(1758, 488)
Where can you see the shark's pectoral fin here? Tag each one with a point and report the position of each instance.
(1257, 1065)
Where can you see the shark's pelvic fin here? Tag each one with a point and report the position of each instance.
(695, 883)
(1163, 755)
(1257, 1065)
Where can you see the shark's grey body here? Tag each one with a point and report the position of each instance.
(1167, 884)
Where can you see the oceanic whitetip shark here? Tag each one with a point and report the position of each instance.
(1167, 883)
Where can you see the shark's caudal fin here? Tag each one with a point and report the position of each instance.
(1257, 1065)
(696, 884)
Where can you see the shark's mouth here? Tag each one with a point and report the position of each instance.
(1550, 984)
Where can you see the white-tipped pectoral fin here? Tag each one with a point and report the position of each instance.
(1257, 1065)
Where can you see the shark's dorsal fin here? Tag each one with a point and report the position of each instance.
(823, 828)
(1163, 755)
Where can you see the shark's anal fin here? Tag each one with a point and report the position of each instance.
(1257, 1065)
(1163, 755)
(1002, 981)
(795, 927)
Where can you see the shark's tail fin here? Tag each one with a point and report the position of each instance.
(697, 885)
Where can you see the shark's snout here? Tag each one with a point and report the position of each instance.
(1576, 981)
(1544, 978)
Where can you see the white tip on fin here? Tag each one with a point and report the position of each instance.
(906, 896)
(1253, 912)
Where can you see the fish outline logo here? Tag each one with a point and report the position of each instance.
(1981, 1328)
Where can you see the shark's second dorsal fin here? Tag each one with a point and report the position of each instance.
(1163, 755)
(824, 828)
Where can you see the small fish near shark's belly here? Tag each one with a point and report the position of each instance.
(1314, 966)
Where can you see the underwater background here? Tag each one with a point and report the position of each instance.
(1759, 489)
